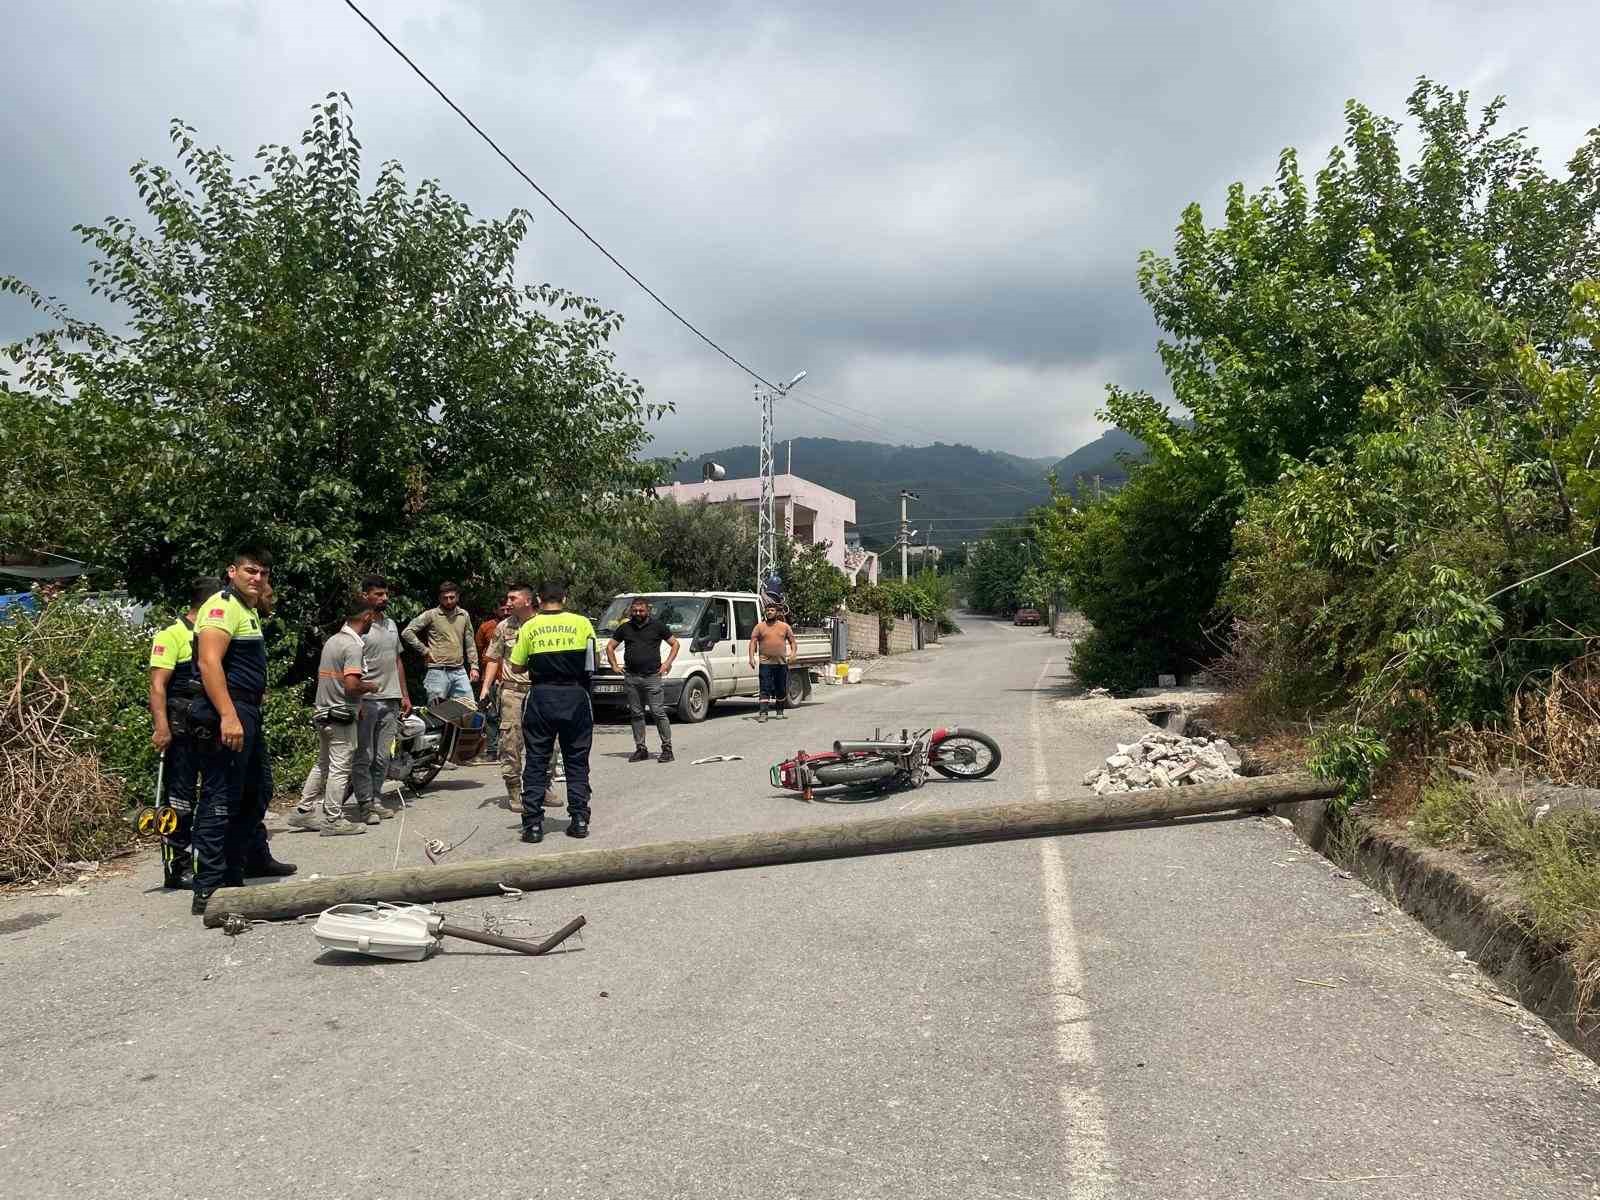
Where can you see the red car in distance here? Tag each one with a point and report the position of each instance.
(1026, 616)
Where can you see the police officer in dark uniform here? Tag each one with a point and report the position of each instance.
(557, 649)
(232, 658)
(174, 686)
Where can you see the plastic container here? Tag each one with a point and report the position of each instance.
(854, 675)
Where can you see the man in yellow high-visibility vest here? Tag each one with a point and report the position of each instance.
(557, 650)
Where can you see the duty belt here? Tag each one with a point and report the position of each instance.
(510, 686)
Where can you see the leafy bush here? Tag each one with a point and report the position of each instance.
(1350, 754)
(1145, 566)
(928, 597)
(101, 660)
(1100, 659)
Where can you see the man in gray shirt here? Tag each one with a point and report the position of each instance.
(340, 689)
(383, 708)
(443, 635)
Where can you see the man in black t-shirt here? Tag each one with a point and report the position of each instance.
(642, 636)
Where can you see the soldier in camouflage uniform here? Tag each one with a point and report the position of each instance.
(513, 682)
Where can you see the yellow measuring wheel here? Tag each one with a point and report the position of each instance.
(145, 821)
(166, 820)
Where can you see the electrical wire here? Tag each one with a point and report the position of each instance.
(548, 199)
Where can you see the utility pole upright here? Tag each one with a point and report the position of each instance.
(766, 528)
(766, 519)
(905, 530)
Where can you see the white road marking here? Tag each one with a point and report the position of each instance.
(1083, 1110)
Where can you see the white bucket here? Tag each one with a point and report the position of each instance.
(854, 675)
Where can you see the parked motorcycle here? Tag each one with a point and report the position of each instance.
(450, 731)
(890, 764)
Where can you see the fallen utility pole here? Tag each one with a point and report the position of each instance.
(811, 843)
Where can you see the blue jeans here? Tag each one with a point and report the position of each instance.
(446, 683)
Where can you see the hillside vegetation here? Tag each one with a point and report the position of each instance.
(956, 482)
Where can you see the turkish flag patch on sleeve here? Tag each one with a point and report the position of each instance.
(217, 612)
(161, 649)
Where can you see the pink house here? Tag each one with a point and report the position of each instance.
(808, 512)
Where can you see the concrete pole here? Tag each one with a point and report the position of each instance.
(1077, 811)
(905, 536)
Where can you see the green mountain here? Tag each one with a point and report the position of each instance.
(1099, 457)
(963, 490)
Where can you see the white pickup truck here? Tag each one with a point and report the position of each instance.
(713, 630)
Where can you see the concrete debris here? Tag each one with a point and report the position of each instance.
(1164, 760)
(1166, 681)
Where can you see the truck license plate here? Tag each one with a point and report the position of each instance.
(608, 687)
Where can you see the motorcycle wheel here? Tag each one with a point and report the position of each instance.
(965, 754)
(847, 773)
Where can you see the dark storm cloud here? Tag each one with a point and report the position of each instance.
(937, 211)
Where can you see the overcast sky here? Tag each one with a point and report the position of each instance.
(936, 210)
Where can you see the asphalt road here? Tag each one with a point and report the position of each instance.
(1199, 1011)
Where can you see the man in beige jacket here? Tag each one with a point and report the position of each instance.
(444, 636)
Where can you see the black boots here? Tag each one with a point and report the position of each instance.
(175, 874)
(271, 867)
(533, 836)
(578, 827)
(665, 755)
(639, 755)
(197, 907)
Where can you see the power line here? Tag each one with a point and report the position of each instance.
(1004, 488)
(526, 178)
(873, 417)
(836, 416)
(1018, 517)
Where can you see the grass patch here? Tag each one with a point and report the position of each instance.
(1556, 865)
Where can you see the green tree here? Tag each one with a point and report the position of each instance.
(813, 588)
(700, 546)
(996, 567)
(354, 379)
(1392, 300)
(1280, 320)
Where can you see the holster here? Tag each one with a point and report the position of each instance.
(336, 714)
(203, 720)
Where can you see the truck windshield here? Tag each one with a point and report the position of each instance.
(679, 613)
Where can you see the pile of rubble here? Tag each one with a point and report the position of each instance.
(1164, 760)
